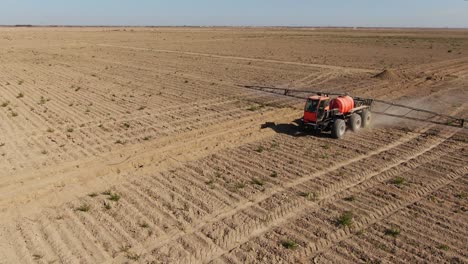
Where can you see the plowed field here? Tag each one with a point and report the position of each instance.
(122, 145)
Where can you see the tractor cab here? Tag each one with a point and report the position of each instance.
(316, 108)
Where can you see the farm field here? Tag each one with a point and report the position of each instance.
(140, 145)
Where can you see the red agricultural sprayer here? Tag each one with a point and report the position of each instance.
(323, 112)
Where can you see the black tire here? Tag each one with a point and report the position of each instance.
(338, 128)
(366, 117)
(316, 131)
(301, 126)
(355, 122)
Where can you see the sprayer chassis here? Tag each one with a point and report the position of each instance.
(330, 117)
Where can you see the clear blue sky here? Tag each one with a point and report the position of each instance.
(392, 13)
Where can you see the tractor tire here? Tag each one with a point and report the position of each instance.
(355, 122)
(338, 129)
(366, 117)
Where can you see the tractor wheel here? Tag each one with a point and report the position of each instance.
(338, 128)
(316, 131)
(355, 122)
(366, 118)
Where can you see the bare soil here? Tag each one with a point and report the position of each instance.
(121, 145)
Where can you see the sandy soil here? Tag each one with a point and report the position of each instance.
(139, 145)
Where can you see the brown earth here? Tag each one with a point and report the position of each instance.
(138, 145)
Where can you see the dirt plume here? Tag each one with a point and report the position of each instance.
(451, 104)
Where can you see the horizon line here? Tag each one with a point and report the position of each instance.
(226, 26)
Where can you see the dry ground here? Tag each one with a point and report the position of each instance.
(137, 145)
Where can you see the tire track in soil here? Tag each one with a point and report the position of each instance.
(296, 212)
(100, 237)
(324, 66)
(244, 206)
(292, 213)
(377, 215)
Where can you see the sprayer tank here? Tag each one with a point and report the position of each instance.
(344, 104)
